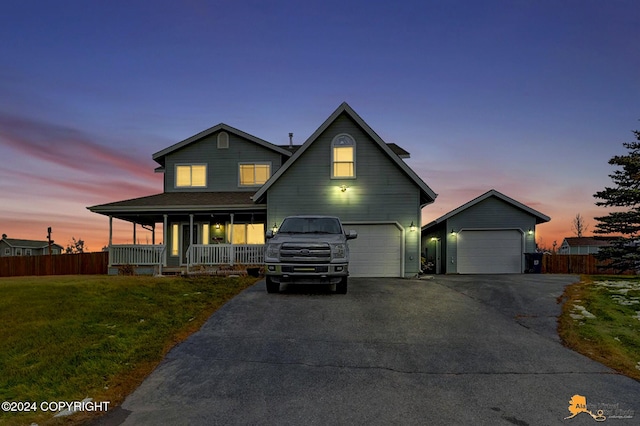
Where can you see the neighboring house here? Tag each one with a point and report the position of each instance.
(583, 245)
(18, 247)
(224, 188)
(489, 234)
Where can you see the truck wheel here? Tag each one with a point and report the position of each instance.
(272, 287)
(341, 287)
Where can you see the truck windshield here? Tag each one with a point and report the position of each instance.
(310, 225)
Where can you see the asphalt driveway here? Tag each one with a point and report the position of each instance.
(451, 350)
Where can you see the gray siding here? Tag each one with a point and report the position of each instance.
(491, 213)
(222, 164)
(380, 192)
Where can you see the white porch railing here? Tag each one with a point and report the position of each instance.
(136, 254)
(225, 254)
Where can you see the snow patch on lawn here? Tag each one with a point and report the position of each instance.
(580, 312)
(620, 291)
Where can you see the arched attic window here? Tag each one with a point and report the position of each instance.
(343, 156)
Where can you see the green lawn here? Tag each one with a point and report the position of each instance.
(601, 319)
(65, 338)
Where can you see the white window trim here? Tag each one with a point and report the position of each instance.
(333, 145)
(7, 251)
(27, 252)
(18, 252)
(253, 163)
(175, 178)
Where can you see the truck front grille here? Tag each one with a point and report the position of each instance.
(313, 269)
(305, 253)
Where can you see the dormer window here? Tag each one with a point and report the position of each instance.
(191, 176)
(343, 156)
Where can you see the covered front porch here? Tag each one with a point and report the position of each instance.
(197, 236)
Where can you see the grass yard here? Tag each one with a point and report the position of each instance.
(601, 319)
(66, 338)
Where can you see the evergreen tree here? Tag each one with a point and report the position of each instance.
(624, 222)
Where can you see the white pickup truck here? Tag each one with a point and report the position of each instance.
(308, 250)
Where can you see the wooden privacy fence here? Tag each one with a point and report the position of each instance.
(574, 264)
(58, 264)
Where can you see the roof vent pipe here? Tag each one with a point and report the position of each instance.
(290, 140)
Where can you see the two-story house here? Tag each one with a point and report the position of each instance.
(223, 188)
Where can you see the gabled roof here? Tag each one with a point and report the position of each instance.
(34, 244)
(588, 241)
(540, 218)
(159, 156)
(427, 195)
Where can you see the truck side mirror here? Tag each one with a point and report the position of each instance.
(352, 235)
(269, 234)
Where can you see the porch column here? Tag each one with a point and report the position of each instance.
(110, 238)
(232, 251)
(110, 230)
(190, 238)
(134, 232)
(164, 239)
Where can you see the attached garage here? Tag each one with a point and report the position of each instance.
(490, 252)
(488, 235)
(377, 252)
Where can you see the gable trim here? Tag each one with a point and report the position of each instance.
(345, 108)
(540, 218)
(159, 156)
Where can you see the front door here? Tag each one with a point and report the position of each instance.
(185, 240)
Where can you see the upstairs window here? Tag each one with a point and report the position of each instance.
(191, 176)
(343, 157)
(254, 174)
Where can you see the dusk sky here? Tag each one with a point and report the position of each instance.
(531, 98)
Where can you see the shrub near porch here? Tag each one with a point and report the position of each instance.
(65, 338)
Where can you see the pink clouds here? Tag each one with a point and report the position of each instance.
(51, 173)
(68, 147)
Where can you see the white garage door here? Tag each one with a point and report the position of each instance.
(490, 252)
(376, 252)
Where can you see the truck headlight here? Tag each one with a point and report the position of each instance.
(273, 251)
(339, 251)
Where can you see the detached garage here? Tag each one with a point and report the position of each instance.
(488, 235)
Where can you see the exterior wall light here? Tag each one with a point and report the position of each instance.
(412, 227)
(275, 227)
(453, 232)
(217, 226)
(530, 231)
(344, 188)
